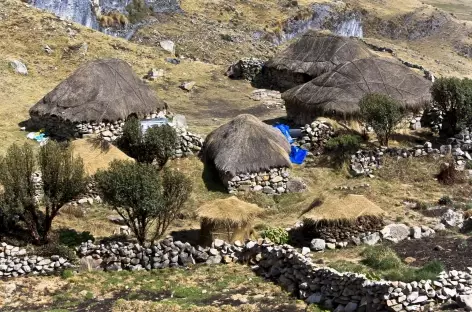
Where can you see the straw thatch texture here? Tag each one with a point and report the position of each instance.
(229, 219)
(246, 145)
(312, 55)
(338, 92)
(100, 90)
(340, 218)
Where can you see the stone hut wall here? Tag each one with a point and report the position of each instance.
(269, 182)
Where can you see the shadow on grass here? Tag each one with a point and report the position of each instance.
(211, 179)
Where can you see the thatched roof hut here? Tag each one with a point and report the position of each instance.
(337, 93)
(312, 55)
(246, 145)
(100, 90)
(229, 219)
(341, 217)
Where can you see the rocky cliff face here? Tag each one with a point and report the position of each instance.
(85, 11)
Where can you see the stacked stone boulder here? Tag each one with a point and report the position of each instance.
(15, 261)
(269, 182)
(247, 68)
(188, 144)
(314, 136)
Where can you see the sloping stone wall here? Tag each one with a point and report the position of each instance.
(268, 182)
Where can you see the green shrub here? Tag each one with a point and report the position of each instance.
(67, 274)
(72, 238)
(63, 178)
(343, 146)
(453, 97)
(52, 249)
(276, 235)
(382, 113)
(144, 196)
(156, 144)
(381, 258)
(445, 201)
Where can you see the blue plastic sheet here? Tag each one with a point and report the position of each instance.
(297, 155)
(285, 131)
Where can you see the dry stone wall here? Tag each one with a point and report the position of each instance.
(15, 261)
(269, 182)
(314, 136)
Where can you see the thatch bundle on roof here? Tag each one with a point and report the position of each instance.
(342, 217)
(338, 92)
(100, 90)
(312, 55)
(228, 219)
(246, 145)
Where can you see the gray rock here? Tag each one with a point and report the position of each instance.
(371, 239)
(318, 244)
(331, 246)
(305, 251)
(465, 302)
(168, 46)
(218, 243)
(19, 67)
(416, 232)
(452, 218)
(315, 299)
(350, 307)
(188, 86)
(395, 232)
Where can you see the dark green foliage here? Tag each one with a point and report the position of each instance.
(63, 179)
(72, 238)
(54, 248)
(382, 113)
(67, 274)
(279, 236)
(137, 11)
(343, 146)
(453, 96)
(176, 190)
(445, 201)
(142, 195)
(157, 144)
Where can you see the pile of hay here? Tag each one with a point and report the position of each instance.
(340, 218)
(229, 219)
(96, 156)
(246, 145)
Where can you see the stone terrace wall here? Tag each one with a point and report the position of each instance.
(271, 182)
(289, 268)
(15, 261)
(314, 136)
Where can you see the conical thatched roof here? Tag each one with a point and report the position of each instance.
(99, 90)
(312, 55)
(246, 145)
(339, 91)
(229, 211)
(349, 207)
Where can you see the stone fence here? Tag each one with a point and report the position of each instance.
(269, 182)
(15, 261)
(284, 265)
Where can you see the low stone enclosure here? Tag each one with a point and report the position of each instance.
(282, 264)
(269, 182)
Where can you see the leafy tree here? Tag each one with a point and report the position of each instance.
(63, 178)
(453, 96)
(382, 113)
(156, 144)
(142, 195)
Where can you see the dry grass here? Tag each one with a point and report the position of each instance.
(230, 210)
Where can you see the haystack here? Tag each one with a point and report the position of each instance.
(96, 157)
(246, 145)
(337, 93)
(312, 55)
(105, 90)
(228, 219)
(340, 218)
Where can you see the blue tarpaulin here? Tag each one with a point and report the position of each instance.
(297, 154)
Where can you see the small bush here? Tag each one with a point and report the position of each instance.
(72, 238)
(343, 146)
(52, 249)
(67, 274)
(382, 113)
(137, 11)
(381, 258)
(276, 235)
(445, 201)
